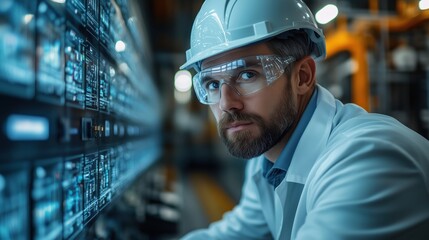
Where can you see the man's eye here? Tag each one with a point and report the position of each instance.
(211, 85)
(247, 75)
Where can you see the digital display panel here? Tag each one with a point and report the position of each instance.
(115, 30)
(77, 9)
(92, 12)
(113, 96)
(73, 196)
(74, 68)
(14, 205)
(91, 77)
(50, 74)
(104, 179)
(46, 196)
(17, 76)
(105, 7)
(90, 190)
(106, 74)
(114, 163)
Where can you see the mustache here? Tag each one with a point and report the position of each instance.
(238, 116)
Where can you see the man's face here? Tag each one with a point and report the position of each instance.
(250, 125)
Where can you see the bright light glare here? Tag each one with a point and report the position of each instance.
(424, 4)
(120, 46)
(124, 68)
(21, 127)
(28, 18)
(327, 14)
(183, 81)
(58, 1)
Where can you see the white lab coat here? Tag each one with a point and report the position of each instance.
(353, 175)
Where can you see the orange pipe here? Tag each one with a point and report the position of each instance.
(344, 41)
(373, 6)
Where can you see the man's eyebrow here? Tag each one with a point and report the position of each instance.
(206, 78)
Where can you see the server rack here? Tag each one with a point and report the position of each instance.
(78, 121)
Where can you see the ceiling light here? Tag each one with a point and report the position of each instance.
(424, 4)
(183, 81)
(327, 14)
(120, 46)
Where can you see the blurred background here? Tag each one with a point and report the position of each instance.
(102, 136)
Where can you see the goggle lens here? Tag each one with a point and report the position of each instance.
(246, 76)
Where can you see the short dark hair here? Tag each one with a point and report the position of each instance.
(294, 43)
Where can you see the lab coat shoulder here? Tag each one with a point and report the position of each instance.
(372, 166)
(379, 136)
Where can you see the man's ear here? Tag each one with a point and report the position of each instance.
(306, 68)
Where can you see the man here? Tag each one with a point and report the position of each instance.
(318, 169)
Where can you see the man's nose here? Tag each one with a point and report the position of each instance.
(230, 99)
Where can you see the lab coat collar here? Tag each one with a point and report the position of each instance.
(314, 138)
(275, 173)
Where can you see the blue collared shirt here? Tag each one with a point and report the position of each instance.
(275, 172)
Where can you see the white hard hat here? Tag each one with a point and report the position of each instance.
(223, 25)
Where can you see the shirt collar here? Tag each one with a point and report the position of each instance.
(275, 172)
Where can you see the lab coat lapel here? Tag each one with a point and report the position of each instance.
(289, 194)
(266, 196)
(279, 205)
(314, 138)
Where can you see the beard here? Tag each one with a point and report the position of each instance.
(247, 144)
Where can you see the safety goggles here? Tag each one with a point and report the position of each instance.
(245, 76)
